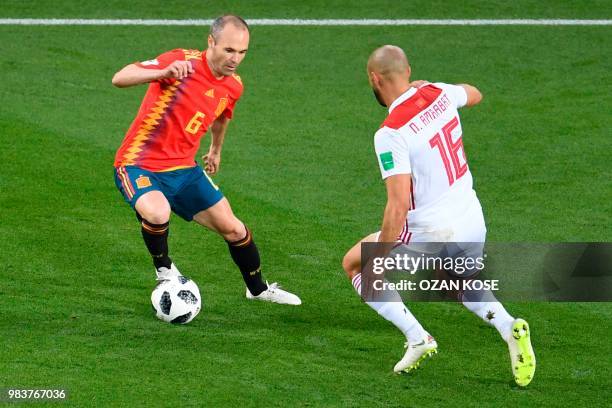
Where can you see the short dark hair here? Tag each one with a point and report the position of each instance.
(220, 22)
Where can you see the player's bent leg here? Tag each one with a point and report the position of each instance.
(221, 219)
(483, 303)
(351, 263)
(419, 343)
(153, 212)
(153, 207)
(514, 331)
(244, 253)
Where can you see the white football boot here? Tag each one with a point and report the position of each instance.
(521, 353)
(415, 354)
(165, 273)
(276, 295)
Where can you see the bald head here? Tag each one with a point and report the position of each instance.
(388, 73)
(389, 61)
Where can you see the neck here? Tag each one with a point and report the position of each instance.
(396, 91)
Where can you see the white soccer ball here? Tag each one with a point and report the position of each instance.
(176, 300)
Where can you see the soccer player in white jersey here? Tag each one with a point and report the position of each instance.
(429, 198)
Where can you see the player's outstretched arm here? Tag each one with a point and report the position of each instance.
(132, 74)
(473, 94)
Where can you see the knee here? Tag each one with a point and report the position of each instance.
(350, 268)
(153, 207)
(156, 214)
(158, 218)
(234, 231)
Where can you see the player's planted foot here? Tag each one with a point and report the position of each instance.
(165, 273)
(521, 353)
(276, 295)
(415, 354)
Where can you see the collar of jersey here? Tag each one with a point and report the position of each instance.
(411, 91)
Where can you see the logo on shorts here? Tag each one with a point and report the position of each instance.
(143, 182)
(386, 159)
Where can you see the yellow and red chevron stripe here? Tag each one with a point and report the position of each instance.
(149, 124)
(192, 54)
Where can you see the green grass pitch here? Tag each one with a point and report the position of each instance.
(298, 167)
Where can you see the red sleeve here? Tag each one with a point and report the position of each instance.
(229, 110)
(162, 61)
(235, 95)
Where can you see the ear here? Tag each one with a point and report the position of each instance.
(375, 78)
(211, 41)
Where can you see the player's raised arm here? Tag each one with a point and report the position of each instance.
(473, 94)
(132, 74)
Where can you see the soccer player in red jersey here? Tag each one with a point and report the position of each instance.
(189, 92)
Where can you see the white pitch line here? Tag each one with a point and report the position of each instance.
(307, 22)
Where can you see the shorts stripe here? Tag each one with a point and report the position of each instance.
(404, 233)
(129, 182)
(125, 182)
(356, 281)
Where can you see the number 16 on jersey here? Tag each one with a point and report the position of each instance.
(449, 151)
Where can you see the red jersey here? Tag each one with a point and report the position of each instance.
(175, 114)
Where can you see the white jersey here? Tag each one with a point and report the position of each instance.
(422, 137)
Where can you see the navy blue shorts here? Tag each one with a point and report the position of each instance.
(188, 191)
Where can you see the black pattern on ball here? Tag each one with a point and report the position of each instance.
(183, 280)
(187, 297)
(165, 303)
(181, 319)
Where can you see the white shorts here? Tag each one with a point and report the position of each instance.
(464, 238)
(470, 227)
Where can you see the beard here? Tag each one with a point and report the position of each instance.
(378, 97)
